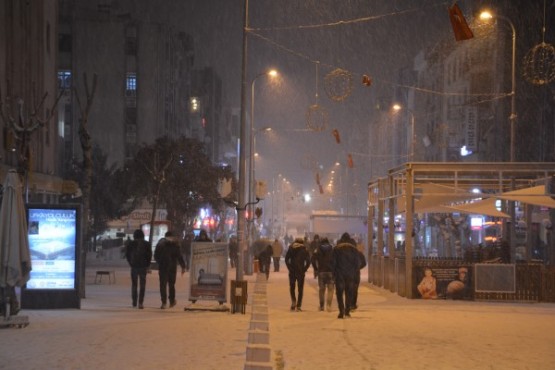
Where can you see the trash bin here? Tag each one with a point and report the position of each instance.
(239, 296)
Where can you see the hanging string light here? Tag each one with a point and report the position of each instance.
(316, 116)
(539, 62)
(338, 84)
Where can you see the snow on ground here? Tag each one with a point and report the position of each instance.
(386, 332)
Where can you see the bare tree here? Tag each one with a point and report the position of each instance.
(23, 125)
(87, 166)
(158, 173)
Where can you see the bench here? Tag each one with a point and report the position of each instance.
(101, 273)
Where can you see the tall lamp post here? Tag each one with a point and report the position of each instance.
(485, 15)
(398, 107)
(241, 204)
(271, 73)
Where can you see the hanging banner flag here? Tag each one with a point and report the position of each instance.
(458, 22)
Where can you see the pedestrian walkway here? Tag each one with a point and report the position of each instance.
(386, 332)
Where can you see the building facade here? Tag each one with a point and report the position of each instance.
(31, 135)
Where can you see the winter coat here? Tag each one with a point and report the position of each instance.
(265, 257)
(346, 262)
(297, 258)
(322, 259)
(277, 248)
(168, 255)
(138, 253)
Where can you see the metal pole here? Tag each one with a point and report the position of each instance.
(250, 220)
(412, 135)
(242, 165)
(513, 116)
(512, 121)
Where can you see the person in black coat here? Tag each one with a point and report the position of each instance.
(168, 255)
(323, 267)
(138, 253)
(345, 268)
(297, 261)
(265, 260)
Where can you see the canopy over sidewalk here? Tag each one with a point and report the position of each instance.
(453, 187)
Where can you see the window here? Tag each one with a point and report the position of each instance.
(64, 79)
(131, 84)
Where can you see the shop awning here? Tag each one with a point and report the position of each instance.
(484, 207)
(534, 195)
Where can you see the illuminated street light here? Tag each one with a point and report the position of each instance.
(398, 107)
(486, 15)
(272, 73)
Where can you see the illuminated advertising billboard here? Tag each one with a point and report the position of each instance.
(52, 244)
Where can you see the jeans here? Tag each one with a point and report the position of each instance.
(298, 280)
(276, 263)
(167, 280)
(138, 274)
(325, 281)
(344, 287)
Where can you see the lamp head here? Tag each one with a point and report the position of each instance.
(486, 15)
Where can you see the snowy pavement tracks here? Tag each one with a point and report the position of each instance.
(259, 352)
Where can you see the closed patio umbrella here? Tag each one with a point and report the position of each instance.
(15, 259)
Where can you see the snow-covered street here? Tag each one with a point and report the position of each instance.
(386, 332)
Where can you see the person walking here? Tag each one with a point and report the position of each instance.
(168, 255)
(138, 253)
(345, 268)
(187, 240)
(233, 251)
(265, 260)
(323, 267)
(277, 251)
(297, 261)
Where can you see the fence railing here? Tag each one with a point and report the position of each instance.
(534, 281)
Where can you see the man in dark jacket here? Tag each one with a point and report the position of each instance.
(345, 268)
(323, 267)
(138, 253)
(265, 260)
(168, 255)
(297, 261)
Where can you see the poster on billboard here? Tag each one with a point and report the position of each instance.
(208, 280)
(53, 232)
(444, 282)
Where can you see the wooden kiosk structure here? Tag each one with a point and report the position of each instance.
(414, 189)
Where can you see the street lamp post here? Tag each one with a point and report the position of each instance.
(241, 204)
(513, 116)
(251, 202)
(398, 107)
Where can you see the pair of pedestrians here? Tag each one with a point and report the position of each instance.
(167, 254)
